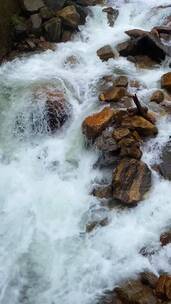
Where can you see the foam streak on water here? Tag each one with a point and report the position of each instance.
(45, 256)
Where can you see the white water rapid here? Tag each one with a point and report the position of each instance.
(45, 180)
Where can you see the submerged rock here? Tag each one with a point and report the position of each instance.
(112, 15)
(105, 53)
(131, 180)
(57, 109)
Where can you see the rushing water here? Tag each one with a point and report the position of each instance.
(45, 181)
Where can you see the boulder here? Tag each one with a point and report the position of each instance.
(57, 110)
(131, 180)
(105, 53)
(134, 292)
(113, 94)
(32, 6)
(144, 43)
(157, 96)
(69, 16)
(166, 81)
(140, 124)
(53, 29)
(144, 62)
(163, 288)
(112, 15)
(165, 166)
(94, 124)
(165, 238)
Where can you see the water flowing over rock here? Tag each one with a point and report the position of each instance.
(131, 180)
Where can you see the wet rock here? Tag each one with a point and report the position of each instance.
(144, 62)
(131, 180)
(91, 226)
(113, 94)
(165, 166)
(69, 16)
(36, 23)
(32, 6)
(135, 33)
(120, 133)
(140, 124)
(94, 124)
(103, 191)
(46, 13)
(165, 238)
(158, 96)
(105, 53)
(66, 35)
(163, 288)
(146, 43)
(107, 160)
(149, 278)
(112, 15)
(134, 292)
(121, 81)
(130, 148)
(53, 29)
(57, 109)
(106, 142)
(166, 81)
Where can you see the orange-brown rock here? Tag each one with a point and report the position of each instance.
(131, 180)
(105, 53)
(94, 124)
(69, 16)
(158, 96)
(130, 148)
(166, 81)
(144, 62)
(165, 238)
(134, 292)
(121, 81)
(163, 288)
(120, 133)
(140, 124)
(113, 94)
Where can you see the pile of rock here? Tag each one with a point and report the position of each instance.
(52, 21)
(118, 135)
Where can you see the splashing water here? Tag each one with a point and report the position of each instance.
(45, 256)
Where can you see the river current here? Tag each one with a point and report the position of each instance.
(45, 180)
